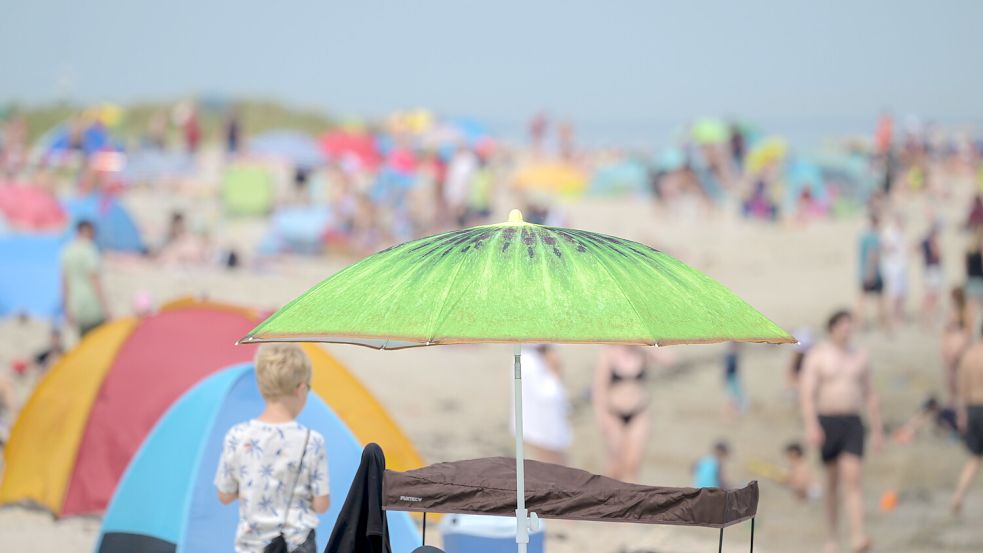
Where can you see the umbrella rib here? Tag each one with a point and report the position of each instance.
(443, 304)
(601, 262)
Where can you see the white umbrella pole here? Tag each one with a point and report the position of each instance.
(521, 515)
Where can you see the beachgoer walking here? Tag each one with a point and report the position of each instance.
(545, 407)
(538, 125)
(621, 406)
(932, 276)
(737, 399)
(974, 219)
(894, 267)
(276, 467)
(84, 301)
(871, 279)
(233, 132)
(884, 134)
(835, 388)
(955, 340)
(457, 186)
(969, 419)
(192, 130)
(974, 277)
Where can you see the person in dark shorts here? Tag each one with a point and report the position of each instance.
(871, 278)
(835, 387)
(841, 434)
(969, 418)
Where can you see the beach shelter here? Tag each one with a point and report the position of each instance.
(88, 415)
(620, 176)
(670, 159)
(166, 501)
(297, 229)
(709, 130)
(247, 190)
(293, 147)
(515, 283)
(768, 152)
(848, 173)
(92, 138)
(361, 147)
(150, 165)
(449, 133)
(414, 121)
(801, 176)
(552, 176)
(482, 487)
(116, 230)
(30, 282)
(31, 208)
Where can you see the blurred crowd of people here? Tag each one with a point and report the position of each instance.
(354, 191)
(831, 378)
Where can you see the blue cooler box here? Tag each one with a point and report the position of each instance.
(485, 534)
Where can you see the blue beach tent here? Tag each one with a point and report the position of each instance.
(115, 228)
(30, 282)
(291, 146)
(166, 501)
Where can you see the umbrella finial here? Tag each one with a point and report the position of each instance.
(515, 216)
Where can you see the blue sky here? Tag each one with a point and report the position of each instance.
(605, 64)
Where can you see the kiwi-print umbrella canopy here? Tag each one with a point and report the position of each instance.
(517, 282)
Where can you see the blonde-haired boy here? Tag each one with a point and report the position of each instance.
(261, 463)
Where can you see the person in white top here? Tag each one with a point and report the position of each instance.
(457, 184)
(545, 407)
(274, 466)
(894, 266)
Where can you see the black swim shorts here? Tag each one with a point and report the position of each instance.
(974, 429)
(843, 434)
(873, 286)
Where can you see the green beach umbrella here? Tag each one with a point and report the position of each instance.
(708, 130)
(517, 282)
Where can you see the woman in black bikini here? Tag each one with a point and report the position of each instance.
(621, 406)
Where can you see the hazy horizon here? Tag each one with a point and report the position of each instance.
(622, 69)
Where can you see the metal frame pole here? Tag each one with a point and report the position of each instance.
(521, 515)
(752, 534)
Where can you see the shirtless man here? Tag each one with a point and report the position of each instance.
(969, 417)
(835, 388)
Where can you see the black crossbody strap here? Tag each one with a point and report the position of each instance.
(286, 512)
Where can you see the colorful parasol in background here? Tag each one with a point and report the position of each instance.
(360, 147)
(708, 130)
(553, 176)
(768, 152)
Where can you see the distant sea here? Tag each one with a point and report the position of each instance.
(653, 134)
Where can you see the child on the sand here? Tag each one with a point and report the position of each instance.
(798, 475)
(708, 472)
(274, 466)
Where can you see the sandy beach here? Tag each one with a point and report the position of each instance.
(796, 276)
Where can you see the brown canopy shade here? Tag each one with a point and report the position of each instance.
(487, 487)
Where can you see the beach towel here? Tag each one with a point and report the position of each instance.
(361, 525)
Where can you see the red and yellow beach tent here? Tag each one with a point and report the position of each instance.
(87, 417)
